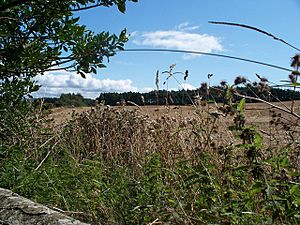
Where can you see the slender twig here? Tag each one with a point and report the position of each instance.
(87, 7)
(8, 18)
(65, 212)
(256, 29)
(294, 91)
(47, 155)
(206, 53)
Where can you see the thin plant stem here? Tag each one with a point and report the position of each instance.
(205, 53)
(256, 29)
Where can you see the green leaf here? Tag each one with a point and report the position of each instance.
(258, 140)
(297, 202)
(257, 187)
(295, 72)
(82, 74)
(294, 189)
(93, 70)
(241, 105)
(122, 7)
(284, 162)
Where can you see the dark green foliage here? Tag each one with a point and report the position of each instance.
(41, 36)
(16, 110)
(68, 100)
(37, 36)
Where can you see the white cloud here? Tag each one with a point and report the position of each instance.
(186, 27)
(183, 37)
(186, 86)
(54, 84)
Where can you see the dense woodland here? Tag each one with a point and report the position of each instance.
(164, 97)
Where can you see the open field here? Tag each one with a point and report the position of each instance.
(256, 113)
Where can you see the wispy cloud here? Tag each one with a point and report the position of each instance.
(183, 37)
(186, 27)
(54, 84)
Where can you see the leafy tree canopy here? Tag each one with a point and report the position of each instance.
(44, 35)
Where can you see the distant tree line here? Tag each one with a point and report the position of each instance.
(183, 97)
(164, 97)
(68, 100)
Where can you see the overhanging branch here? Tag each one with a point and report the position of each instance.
(11, 4)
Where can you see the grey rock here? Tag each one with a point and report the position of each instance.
(17, 210)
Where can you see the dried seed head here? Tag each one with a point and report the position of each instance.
(263, 87)
(262, 79)
(223, 83)
(295, 61)
(240, 80)
(172, 66)
(293, 78)
(186, 74)
(204, 88)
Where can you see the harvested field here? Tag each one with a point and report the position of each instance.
(276, 127)
(256, 113)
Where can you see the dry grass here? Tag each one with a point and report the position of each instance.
(130, 133)
(257, 114)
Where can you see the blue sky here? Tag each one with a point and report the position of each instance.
(179, 24)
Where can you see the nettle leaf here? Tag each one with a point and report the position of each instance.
(241, 106)
(258, 140)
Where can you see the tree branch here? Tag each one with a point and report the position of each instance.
(87, 7)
